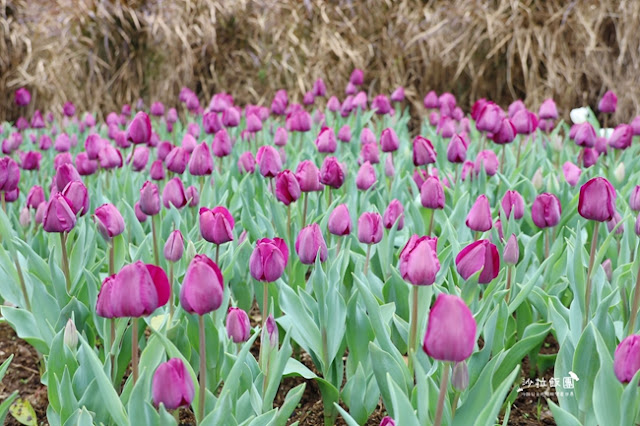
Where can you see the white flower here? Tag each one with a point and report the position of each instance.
(579, 115)
(605, 133)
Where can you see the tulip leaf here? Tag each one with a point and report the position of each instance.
(22, 411)
(350, 421)
(561, 416)
(290, 403)
(404, 413)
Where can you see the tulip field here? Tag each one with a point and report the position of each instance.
(186, 263)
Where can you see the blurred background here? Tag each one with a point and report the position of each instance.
(101, 54)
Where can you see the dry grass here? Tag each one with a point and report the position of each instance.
(102, 53)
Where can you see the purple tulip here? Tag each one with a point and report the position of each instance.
(308, 176)
(174, 247)
(310, 243)
(340, 221)
(193, 197)
(481, 255)
(139, 130)
(332, 172)
(479, 217)
(398, 94)
(269, 259)
(431, 100)
(140, 215)
(140, 158)
(393, 213)
(201, 162)
(246, 163)
(585, 135)
(35, 197)
(626, 358)
(511, 251)
(490, 118)
(432, 193)
(174, 194)
(58, 216)
(287, 187)
(216, 225)
(78, 196)
(634, 199)
(366, 177)
(571, 173)
(238, 326)
(149, 199)
(419, 262)
(621, 137)
(22, 97)
(546, 210)
(457, 150)
(423, 152)
(109, 221)
(608, 103)
(172, 385)
(513, 202)
(344, 134)
(326, 140)
(451, 330)
(156, 172)
(548, 110)
(370, 228)
(202, 289)
(381, 105)
(110, 157)
(597, 200)
(269, 161)
(389, 141)
(506, 132)
(177, 160)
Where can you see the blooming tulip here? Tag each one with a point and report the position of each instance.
(366, 177)
(393, 213)
(216, 225)
(451, 330)
(139, 130)
(172, 385)
(432, 193)
(546, 210)
(149, 199)
(269, 161)
(310, 243)
(78, 196)
(481, 255)
(287, 187)
(423, 152)
(419, 262)
(308, 176)
(203, 286)
(269, 259)
(332, 172)
(513, 202)
(597, 200)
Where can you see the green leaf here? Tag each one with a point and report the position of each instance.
(404, 413)
(22, 411)
(561, 416)
(290, 403)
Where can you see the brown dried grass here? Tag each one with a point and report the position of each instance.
(103, 53)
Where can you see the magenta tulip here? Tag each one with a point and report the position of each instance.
(332, 172)
(172, 385)
(340, 221)
(139, 130)
(393, 213)
(419, 262)
(608, 103)
(174, 247)
(201, 162)
(238, 326)
(366, 177)
(78, 196)
(177, 160)
(488, 161)
(548, 110)
(149, 199)
(287, 187)
(109, 221)
(423, 152)
(216, 225)
(22, 97)
(481, 255)
(246, 163)
(597, 200)
(308, 176)
(432, 193)
(202, 289)
(269, 161)
(626, 358)
(310, 243)
(546, 210)
(58, 216)
(269, 259)
(174, 194)
(451, 330)
(479, 217)
(571, 173)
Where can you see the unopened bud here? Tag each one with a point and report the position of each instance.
(460, 379)
(537, 179)
(71, 335)
(619, 172)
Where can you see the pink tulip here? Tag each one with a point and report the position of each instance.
(389, 141)
(58, 216)
(419, 262)
(432, 193)
(481, 255)
(287, 187)
(393, 213)
(571, 173)
(513, 202)
(332, 172)
(344, 134)
(246, 163)
(451, 330)
(366, 177)
(216, 225)
(174, 194)
(177, 160)
(626, 358)
(269, 259)
(309, 244)
(308, 176)
(238, 326)
(326, 140)
(340, 221)
(457, 150)
(546, 210)
(548, 110)
(370, 228)
(139, 130)
(149, 199)
(269, 161)
(78, 196)
(172, 385)
(479, 217)
(608, 103)
(423, 152)
(174, 246)
(109, 221)
(597, 200)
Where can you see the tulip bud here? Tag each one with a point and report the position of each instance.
(608, 103)
(36, 196)
(432, 193)
(398, 94)
(389, 169)
(513, 202)
(621, 137)
(460, 377)
(608, 270)
(585, 135)
(619, 173)
(201, 162)
(611, 224)
(488, 160)
(369, 152)
(216, 225)
(506, 132)
(70, 337)
(157, 170)
(78, 195)
(270, 334)
(457, 150)
(536, 181)
(177, 160)
(366, 177)
(634, 199)
(326, 140)
(174, 194)
(370, 229)
(269, 259)
(481, 255)
(546, 210)
(139, 213)
(172, 385)
(479, 217)
(149, 199)
(310, 243)
(511, 251)
(387, 421)
(332, 172)
(548, 110)
(344, 134)
(287, 187)
(571, 173)
(597, 200)
(203, 286)
(451, 330)
(174, 247)
(246, 163)
(238, 326)
(340, 221)
(109, 221)
(393, 213)
(139, 130)
(25, 217)
(22, 97)
(626, 358)
(389, 141)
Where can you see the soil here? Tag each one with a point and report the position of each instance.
(22, 375)
(531, 408)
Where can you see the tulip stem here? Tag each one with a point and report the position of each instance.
(634, 306)
(509, 270)
(218, 254)
(203, 368)
(414, 326)
(171, 306)
(454, 405)
(155, 241)
(4, 201)
(592, 257)
(433, 213)
(112, 335)
(519, 150)
(443, 391)
(65, 260)
(111, 259)
(546, 244)
(304, 211)
(289, 222)
(338, 247)
(504, 148)
(134, 349)
(23, 286)
(366, 261)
